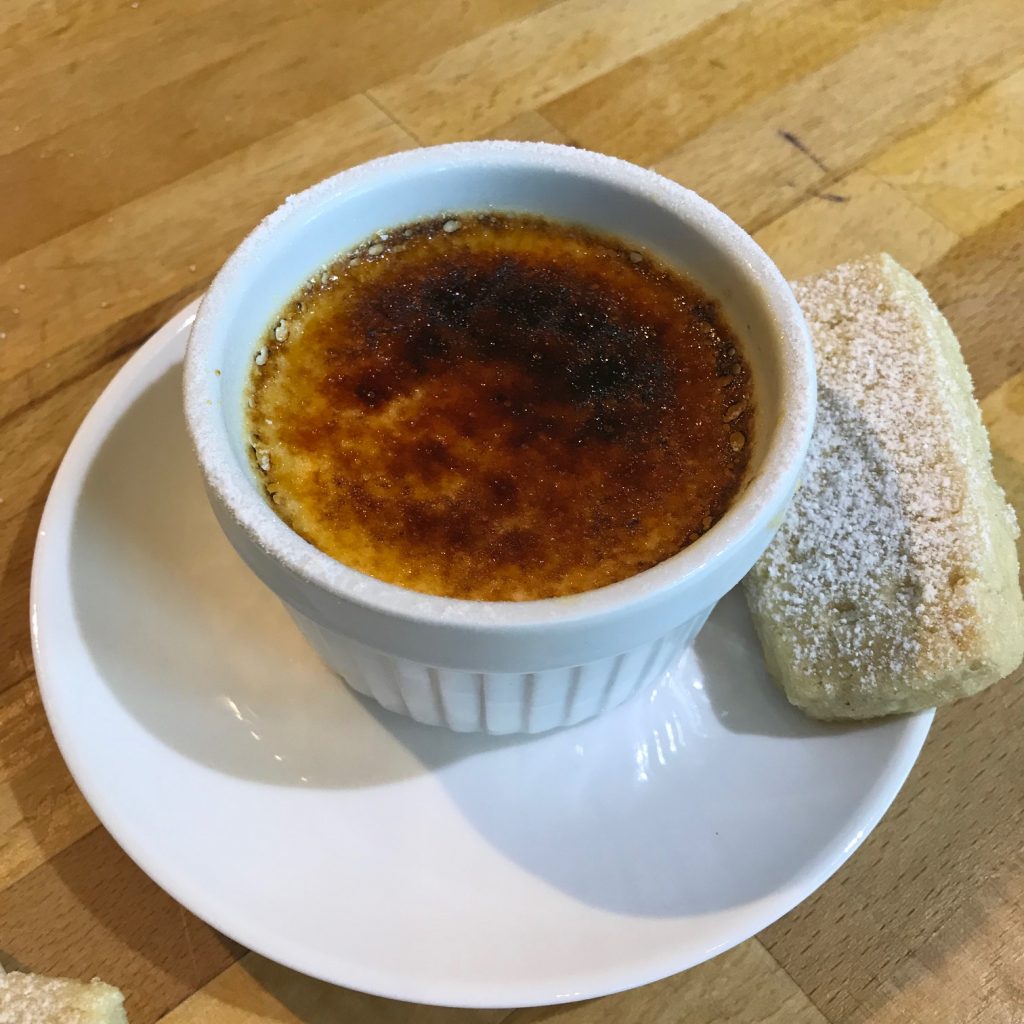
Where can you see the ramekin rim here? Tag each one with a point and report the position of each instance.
(764, 495)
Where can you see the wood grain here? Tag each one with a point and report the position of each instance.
(468, 90)
(114, 271)
(966, 168)
(41, 810)
(812, 131)
(89, 911)
(254, 85)
(877, 943)
(858, 215)
(977, 286)
(651, 105)
(744, 984)
(256, 989)
(142, 139)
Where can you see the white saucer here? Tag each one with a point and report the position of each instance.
(393, 857)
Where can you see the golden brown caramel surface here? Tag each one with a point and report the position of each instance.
(499, 407)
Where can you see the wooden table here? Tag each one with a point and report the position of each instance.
(141, 139)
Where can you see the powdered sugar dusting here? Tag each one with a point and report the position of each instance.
(33, 999)
(875, 570)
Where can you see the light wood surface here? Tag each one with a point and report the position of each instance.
(139, 141)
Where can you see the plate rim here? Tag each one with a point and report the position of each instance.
(59, 511)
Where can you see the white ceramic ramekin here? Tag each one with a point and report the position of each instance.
(499, 667)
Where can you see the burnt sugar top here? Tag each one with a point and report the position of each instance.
(500, 407)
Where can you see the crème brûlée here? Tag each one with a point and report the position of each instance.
(500, 407)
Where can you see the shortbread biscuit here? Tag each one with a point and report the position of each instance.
(893, 584)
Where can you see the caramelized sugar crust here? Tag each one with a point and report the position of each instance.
(500, 407)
